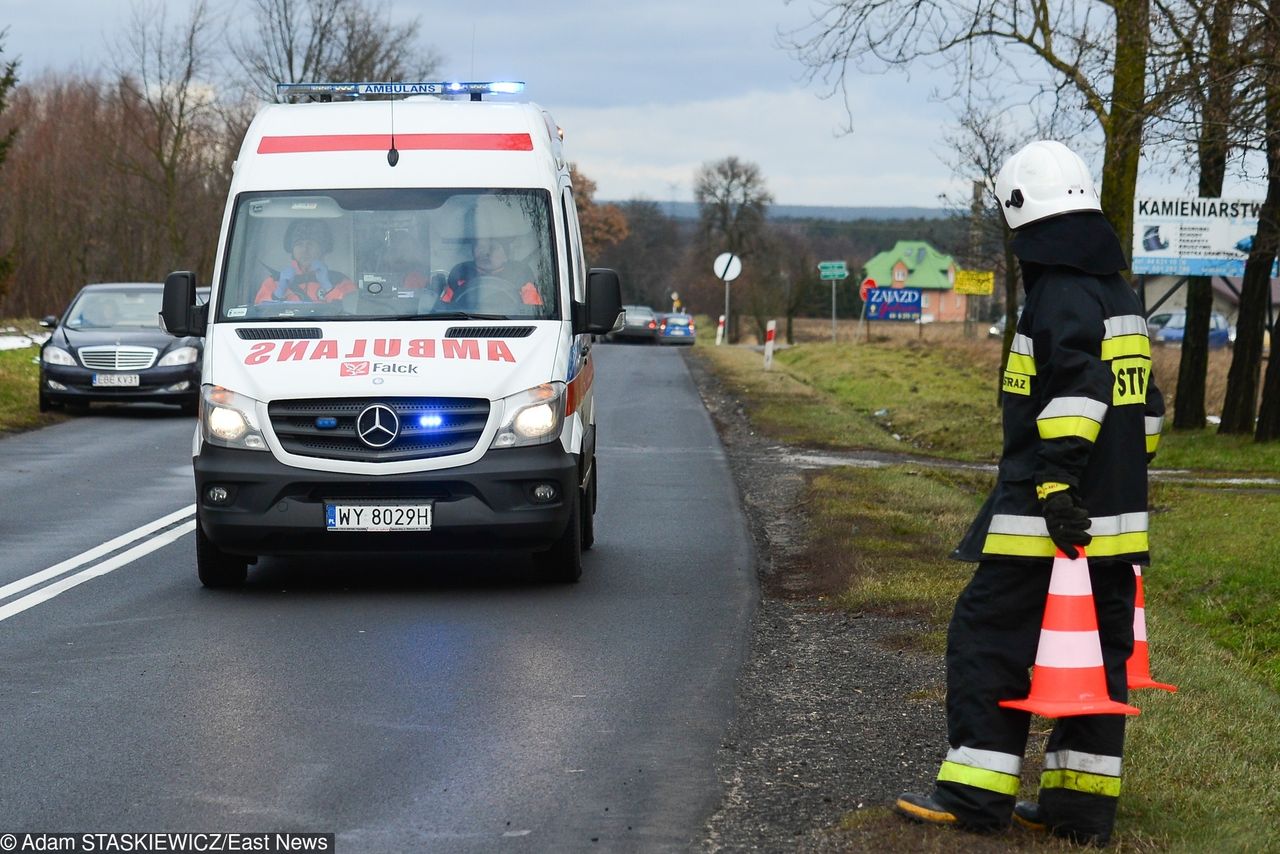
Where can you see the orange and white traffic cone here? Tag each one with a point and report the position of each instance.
(1069, 677)
(1139, 664)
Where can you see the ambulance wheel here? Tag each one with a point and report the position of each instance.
(562, 563)
(215, 567)
(589, 511)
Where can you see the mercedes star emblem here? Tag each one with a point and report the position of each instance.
(377, 425)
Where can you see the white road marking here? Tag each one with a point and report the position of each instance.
(94, 553)
(44, 594)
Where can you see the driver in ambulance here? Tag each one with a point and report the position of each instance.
(493, 227)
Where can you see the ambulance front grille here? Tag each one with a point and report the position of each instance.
(427, 427)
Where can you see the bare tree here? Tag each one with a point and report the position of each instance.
(8, 79)
(1255, 289)
(163, 85)
(732, 201)
(294, 41)
(1199, 53)
(1095, 52)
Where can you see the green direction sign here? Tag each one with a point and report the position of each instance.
(832, 270)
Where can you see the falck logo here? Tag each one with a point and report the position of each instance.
(354, 369)
(377, 425)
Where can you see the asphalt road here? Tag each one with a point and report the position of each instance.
(446, 704)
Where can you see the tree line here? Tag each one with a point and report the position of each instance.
(1190, 82)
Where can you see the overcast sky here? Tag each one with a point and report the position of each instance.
(646, 91)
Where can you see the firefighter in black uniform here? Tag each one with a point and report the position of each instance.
(1082, 417)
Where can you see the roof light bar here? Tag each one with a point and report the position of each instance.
(356, 90)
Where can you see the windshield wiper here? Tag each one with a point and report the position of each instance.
(463, 315)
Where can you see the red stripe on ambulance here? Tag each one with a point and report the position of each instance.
(404, 142)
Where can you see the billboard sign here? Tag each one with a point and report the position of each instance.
(1193, 237)
(893, 304)
(976, 282)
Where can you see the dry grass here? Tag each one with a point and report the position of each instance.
(981, 350)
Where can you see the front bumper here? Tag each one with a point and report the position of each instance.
(154, 385)
(488, 505)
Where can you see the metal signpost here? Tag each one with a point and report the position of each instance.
(727, 267)
(833, 271)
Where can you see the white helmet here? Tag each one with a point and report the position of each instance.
(1044, 179)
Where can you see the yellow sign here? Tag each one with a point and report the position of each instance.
(975, 282)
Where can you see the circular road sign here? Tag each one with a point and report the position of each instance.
(867, 284)
(727, 266)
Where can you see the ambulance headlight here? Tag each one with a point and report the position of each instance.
(531, 417)
(229, 419)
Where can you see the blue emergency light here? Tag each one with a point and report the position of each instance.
(431, 421)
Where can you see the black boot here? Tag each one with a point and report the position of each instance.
(923, 808)
(1029, 815)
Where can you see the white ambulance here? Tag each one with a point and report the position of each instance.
(398, 342)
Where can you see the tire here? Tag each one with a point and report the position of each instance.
(218, 569)
(589, 511)
(562, 563)
(190, 409)
(47, 405)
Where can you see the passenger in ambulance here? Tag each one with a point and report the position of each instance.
(306, 278)
(491, 259)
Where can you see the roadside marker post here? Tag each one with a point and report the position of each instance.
(720, 331)
(770, 332)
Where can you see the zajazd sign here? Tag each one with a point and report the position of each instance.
(893, 304)
(1193, 237)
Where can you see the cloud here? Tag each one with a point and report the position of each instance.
(643, 151)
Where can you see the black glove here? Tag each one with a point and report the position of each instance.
(1068, 521)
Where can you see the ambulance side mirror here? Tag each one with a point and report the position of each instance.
(179, 314)
(602, 312)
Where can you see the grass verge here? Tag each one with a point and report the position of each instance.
(1202, 766)
(19, 380)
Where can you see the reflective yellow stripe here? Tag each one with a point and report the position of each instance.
(1081, 781)
(1021, 364)
(1068, 426)
(1125, 345)
(1012, 544)
(1153, 442)
(1034, 546)
(1015, 383)
(979, 778)
(1118, 544)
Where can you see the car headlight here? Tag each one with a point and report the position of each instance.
(57, 356)
(531, 417)
(230, 419)
(180, 356)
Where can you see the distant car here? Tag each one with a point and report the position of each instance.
(997, 328)
(639, 323)
(676, 328)
(1169, 327)
(108, 346)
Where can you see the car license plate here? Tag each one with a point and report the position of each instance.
(378, 517)
(116, 380)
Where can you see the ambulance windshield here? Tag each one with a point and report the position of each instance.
(390, 253)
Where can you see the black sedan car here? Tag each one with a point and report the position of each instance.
(108, 346)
